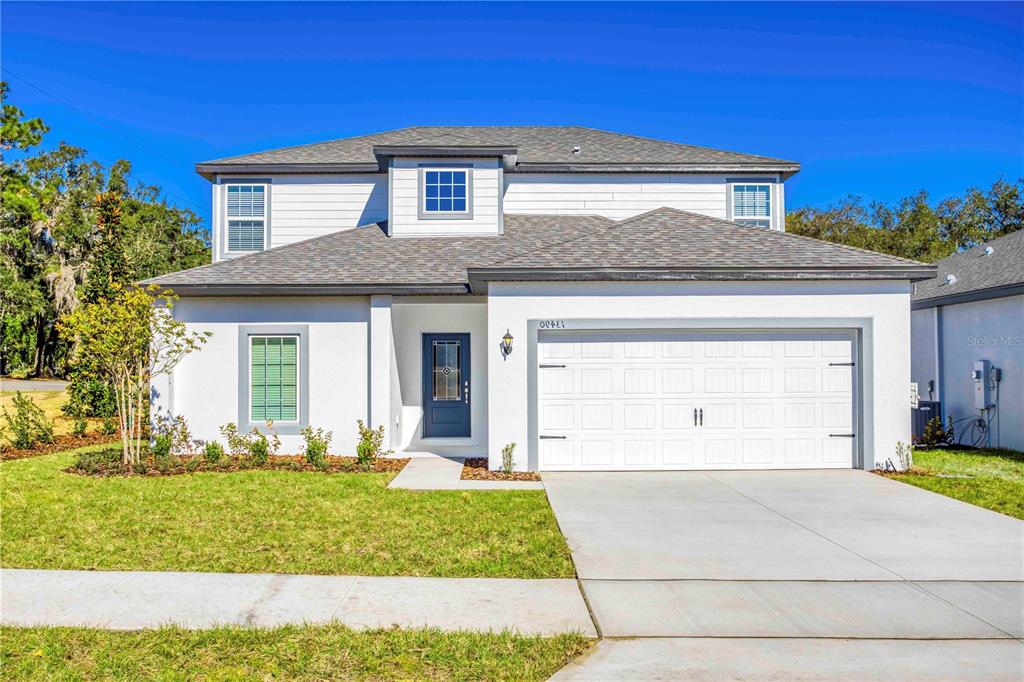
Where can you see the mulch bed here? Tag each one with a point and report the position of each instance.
(475, 469)
(61, 443)
(177, 465)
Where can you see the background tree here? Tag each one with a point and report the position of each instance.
(912, 228)
(69, 229)
(126, 340)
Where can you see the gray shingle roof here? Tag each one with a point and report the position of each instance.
(535, 144)
(661, 244)
(671, 238)
(977, 275)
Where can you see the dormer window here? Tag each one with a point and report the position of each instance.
(445, 193)
(246, 217)
(752, 204)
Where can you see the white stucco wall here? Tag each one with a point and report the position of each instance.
(204, 387)
(411, 318)
(881, 310)
(990, 330)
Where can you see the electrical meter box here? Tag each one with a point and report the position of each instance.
(982, 391)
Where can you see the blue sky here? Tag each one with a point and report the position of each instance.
(873, 99)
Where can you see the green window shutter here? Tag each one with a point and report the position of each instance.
(274, 378)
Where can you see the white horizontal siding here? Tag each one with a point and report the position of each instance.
(306, 206)
(484, 197)
(616, 196)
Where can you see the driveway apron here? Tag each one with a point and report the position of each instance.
(757, 564)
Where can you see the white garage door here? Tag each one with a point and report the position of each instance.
(695, 400)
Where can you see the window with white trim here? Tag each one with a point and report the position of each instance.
(246, 217)
(752, 204)
(445, 191)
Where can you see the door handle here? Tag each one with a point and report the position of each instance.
(702, 416)
(695, 416)
(466, 391)
(553, 437)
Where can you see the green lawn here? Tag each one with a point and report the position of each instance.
(993, 479)
(331, 652)
(271, 522)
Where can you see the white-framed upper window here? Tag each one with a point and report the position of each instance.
(446, 191)
(752, 204)
(246, 215)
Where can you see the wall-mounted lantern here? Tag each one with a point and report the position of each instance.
(506, 344)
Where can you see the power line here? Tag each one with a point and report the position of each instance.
(109, 127)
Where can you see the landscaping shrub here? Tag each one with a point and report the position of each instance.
(28, 425)
(254, 444)
(79, 427)
(935, 435)
(96, 462)
(161, 447)
(905, 454)
(213, 452)
(238, 444)
(89, 398)
(317, 441)
(259, 449)
(108, 427)
(507, 462)
(370, 443)
(178, 436)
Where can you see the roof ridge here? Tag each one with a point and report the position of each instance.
(310, 144)
(682, 144)
(980, 245)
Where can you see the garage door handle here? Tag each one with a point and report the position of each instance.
(702, 416)
(841, 364)
(842, 435)
(550, 366)
(553, 437)
(695, 416)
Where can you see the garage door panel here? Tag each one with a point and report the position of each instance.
(597, 417)
(679, 416)
(596, 453)
(694, 400)
(596, 381)
(639, 380)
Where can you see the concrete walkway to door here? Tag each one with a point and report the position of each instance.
(434, 472)
(851, 575)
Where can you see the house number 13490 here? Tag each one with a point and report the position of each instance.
(552, 324)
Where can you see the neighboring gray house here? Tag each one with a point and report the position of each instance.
(605, 301)
(973, 312)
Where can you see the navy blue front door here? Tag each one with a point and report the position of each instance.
(446, 385)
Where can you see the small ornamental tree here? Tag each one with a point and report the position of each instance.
(128, 340)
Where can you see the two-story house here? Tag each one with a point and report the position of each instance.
(605, 301)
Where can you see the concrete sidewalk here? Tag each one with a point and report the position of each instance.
(136, 600)
(445, 473)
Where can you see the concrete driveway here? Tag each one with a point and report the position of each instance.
(791, 575)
